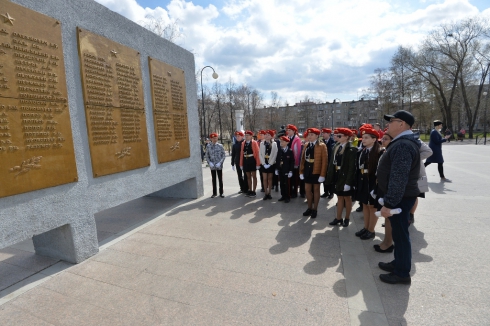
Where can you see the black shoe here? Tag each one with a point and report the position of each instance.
(262, 190)
(346, 222)
(388, 267)
(368, 235)
(222, 196)
(281, 199)
(253, 194)
(240, 192)
(335, 222)
(287, 201)
(359, 209)
(308, 212)
(378, 248)
(361, 232)
(265, 197)
(213, 196)
(392, 278)
(313, 214)
(269, 196)
(330, 196)
(325, 195)
(248, 193)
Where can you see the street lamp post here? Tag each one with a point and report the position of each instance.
(215, 76)
(485, 119)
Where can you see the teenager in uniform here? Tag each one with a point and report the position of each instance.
(215, 155)
(329, 142)
(284, 168)
(341, 174)
(250, 162)
(235, 161)
(313, 168)
(367, 164)
(260, 139)
(267, 155)
(435, 143)
(275, 178)
(295, 146)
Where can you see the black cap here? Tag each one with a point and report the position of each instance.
(402, 115)
(437, 123)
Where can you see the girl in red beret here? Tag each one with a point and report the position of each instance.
(250, 162)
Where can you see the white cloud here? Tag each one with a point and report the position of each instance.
(300, 47)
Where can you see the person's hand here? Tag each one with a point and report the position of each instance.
(302, 177)
(267, 166)
(296, 166)
(290, 174)
(233, 167)
(257, 167)
(346, 187)
(218, 165)
(241, 167)
(385, 212)
(211, 165)
(321, 179)
(276, 172)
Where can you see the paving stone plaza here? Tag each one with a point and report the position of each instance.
(242, 261)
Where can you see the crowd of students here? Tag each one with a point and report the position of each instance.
(346, 161)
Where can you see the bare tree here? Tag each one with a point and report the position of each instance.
(167, 29)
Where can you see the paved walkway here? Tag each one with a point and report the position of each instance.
(241, 261)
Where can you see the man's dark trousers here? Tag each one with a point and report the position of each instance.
(242, 179)
(401, 238)
(220, 179)
(285, 188)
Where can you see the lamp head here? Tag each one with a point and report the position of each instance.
(215, 75)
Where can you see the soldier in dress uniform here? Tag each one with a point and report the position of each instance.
(235, 161)
(250, 162)
(284, 168)
(313, 168)
(267, 155)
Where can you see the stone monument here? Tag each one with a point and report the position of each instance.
(95, 111)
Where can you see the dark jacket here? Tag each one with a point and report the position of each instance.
(435, 143)
(398, 170)
(347, 171)
(285, 161)
(235, 153)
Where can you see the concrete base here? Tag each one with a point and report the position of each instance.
(67, 243)
(185, 189)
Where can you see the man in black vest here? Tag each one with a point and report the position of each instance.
(235, 162)
(398, 172)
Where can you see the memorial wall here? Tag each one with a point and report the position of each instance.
(95, 111)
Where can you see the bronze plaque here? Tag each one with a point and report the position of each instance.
(36, 144)
(169, 111)
(114, 107)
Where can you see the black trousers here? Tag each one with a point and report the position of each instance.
(440, 168)
(293, 183)
(242, 179)
(285, 186)
(220, 180)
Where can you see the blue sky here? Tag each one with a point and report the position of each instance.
(300, 48)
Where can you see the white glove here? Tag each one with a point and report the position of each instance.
(241, 167)
(211, 165)
(373, 194)
(233, 168)
(277, 172)
(267, 166)
(302, 177)
(218, 165)
(296, 166)
(290, 174)
(381, 201)
(346, 188)
(321, 179)
(258, 167)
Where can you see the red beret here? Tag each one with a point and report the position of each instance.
(239, 133)
(305, 134)
(336, 131)
(262, 132)
(366, 125)
(354, 131)
(292, 127)
(369, 131)
(284, 138)
(248, 132)
(344, 131)
(313, 131)
(270, 132)
(212, 135)
(326, 130)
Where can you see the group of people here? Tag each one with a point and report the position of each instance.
(382, 170)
